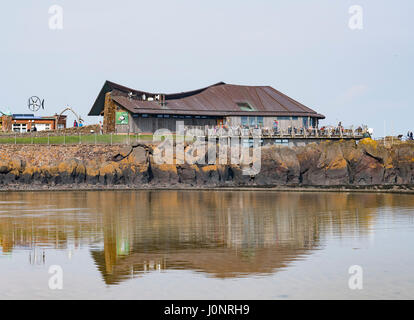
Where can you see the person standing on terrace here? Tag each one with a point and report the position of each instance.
(275, 126)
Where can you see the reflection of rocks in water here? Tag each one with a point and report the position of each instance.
(223, 234)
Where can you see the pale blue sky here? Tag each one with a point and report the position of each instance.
(303, 48)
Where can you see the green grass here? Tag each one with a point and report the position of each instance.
(75, 139)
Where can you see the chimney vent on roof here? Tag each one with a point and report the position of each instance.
(131, 95)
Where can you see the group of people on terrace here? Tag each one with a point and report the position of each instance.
(243, 130)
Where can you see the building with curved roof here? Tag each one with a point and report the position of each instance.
(127, 110)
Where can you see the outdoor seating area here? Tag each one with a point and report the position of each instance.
(327, 132)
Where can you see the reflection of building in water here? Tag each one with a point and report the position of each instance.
(43, 220)
(224, 234)
(37, 257)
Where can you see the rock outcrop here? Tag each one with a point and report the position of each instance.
(341, 163)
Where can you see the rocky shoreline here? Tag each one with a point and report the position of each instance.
(331, 166)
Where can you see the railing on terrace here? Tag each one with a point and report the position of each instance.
(306, 133)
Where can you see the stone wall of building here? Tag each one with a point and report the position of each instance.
(109, 114)
(6, 123)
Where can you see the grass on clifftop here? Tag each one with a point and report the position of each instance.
(75, 139)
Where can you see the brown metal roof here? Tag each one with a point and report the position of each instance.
(220, 99)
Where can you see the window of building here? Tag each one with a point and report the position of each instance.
(282, 142)
(19, 127)
(295, 118)
(305, 122)
(252, 121)
(245, 106)
(16, 127)
(249, 143)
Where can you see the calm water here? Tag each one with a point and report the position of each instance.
(207, 244)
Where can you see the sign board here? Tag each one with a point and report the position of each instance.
(121, 117)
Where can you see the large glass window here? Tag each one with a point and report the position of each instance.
(252, 121)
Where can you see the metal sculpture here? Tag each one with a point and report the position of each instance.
(68, 109)
(34, 103)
